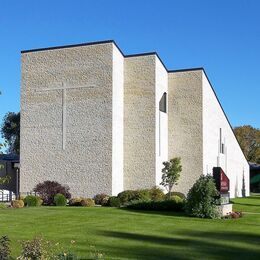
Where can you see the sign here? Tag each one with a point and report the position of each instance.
(224, 198)
(221, 179)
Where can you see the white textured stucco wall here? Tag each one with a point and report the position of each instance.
(232, 161)
(185, 125)
(118, 122)
(86, 163)
(161, 122)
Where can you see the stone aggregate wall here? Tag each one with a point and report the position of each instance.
(86, 162)
(139, 122)
(185, 125)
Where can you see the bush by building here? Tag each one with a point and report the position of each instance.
(48, 189)
(175, 205)
(75, 201)
(202, 199)
(156, 193)
(17, 204)
(60, 200)
(32, 201)
(87, 202)
(3, 206)
(127, 196)
(101, 199)
(113, 202)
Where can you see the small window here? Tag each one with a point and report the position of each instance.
(163, 103)
(221, 144)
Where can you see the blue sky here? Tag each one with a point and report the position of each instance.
(221, 36)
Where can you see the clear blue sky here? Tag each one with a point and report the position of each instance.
(221, 36)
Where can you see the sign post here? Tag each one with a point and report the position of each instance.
(222, 184)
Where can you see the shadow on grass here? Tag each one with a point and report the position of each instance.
(154, 212)
(245, 204)
(185, 245)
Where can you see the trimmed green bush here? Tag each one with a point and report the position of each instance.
(60, 200)
(177, 199)
(87, 202)
(113, 202)
(127, 196)
(202, 199)
(176, 193)
(164, 205)
(101, 199)
(32, 201)
(3, 206)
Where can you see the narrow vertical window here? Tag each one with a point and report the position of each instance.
(163, 103)
(221, 144)
(162, 108)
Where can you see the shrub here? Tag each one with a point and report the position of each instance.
(36, 249)
(113, 202)
(156, 193)
(17, 204)
(5, 248)
(129, 195)
(48, 189)
(175, 193)
(233, 215)
(3, 206)
(177, 199)
(32, 201)
(101, 199)
(87, 202)
(75, 201)
(60, 200)
(202, 198)
(164, 205)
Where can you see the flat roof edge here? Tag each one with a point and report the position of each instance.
(71, 46)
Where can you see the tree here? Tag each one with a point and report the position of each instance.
(171, 173)
(249, 139)
(11, 131)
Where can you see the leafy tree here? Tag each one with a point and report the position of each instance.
(249, 140)
(11, 131)
(171, 173)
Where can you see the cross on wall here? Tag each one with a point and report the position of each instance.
(64, 89)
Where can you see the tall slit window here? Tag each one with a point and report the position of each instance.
(162, 108)
(163, 103)
(221, 144)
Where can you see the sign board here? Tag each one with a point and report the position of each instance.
(224, 198)
(221, 179)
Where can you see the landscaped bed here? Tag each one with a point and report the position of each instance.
(120, 233)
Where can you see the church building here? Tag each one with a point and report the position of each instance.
(101, 121)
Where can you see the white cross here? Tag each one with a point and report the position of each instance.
(63, 88)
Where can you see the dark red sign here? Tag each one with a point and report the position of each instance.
(221, 179)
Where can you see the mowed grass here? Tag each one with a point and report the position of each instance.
(249, 204)
(123, 234)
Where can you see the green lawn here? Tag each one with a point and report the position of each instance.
(250, 204)
(123, 234)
